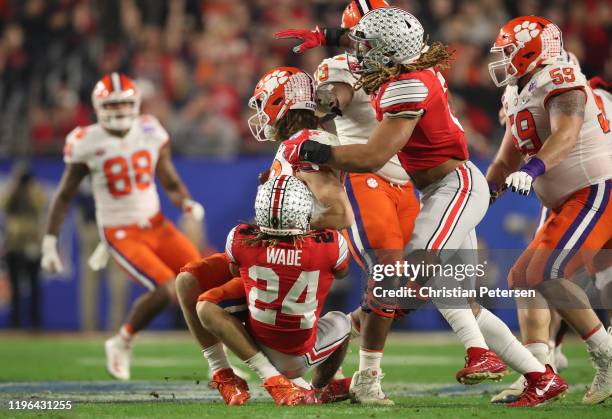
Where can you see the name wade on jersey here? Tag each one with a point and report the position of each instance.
(288, 257)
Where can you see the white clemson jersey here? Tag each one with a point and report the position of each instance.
(281, 166)
(358, 119)
(590, 161)
(122, 169)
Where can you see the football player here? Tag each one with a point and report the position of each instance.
(561, 130)
(287, 270)
(384, 203)
(122, 153)
(411, 103)
(284, 104)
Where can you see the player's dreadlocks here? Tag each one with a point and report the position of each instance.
(438, 55)
(295, 120)
(267, 240)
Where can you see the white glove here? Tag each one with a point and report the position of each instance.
(519, 182)
(193, 209)
(99, 257)
(50, 260)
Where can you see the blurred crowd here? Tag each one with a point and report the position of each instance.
(197, 61)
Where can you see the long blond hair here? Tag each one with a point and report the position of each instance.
(438, 55)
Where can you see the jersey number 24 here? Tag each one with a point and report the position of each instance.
(308, 281)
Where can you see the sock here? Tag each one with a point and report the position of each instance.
(506, 345)
(596, 337)
(215, 355)
(464, 324)
(301, 382)
(369, 359)
(541, 351)
(262, 366)
(127, 332)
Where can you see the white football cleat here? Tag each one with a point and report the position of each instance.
(511, 393)
(118, 353)
(560, 360)
(365, 388)
(601, 387)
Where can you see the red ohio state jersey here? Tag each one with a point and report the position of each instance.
(438, 136)
(286, 285)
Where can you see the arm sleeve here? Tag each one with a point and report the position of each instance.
(406, 98)
(343, 254)
(229, 243)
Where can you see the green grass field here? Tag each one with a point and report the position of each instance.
(169, 380)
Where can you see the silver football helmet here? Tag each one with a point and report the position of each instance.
(385, 37)
(284, 206)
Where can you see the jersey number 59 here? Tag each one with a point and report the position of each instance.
(117, 173)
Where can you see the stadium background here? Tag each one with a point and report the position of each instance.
(196, 62)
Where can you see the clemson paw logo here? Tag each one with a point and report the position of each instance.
(276, 78)
(526, 31)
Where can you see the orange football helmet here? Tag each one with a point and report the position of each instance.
(277, 92)
(524, 42)
(113, 89)
(357, 8)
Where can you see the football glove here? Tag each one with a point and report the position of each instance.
(521, 181)
(50, 260)
(310, 38)
(193, 209)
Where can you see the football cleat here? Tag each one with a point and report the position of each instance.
(485, 366)
(310, 396)
(118, 353)
(365, 388)
(335, 391)
(543, 389)
(601, 387)
(233, 389)
(283, 391)
(512, 392)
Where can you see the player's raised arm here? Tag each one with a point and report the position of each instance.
(330, 193)
(71, 179)
(174, 186)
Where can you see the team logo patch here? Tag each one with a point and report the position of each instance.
(533, 85)
(148, 128)
(372, 183)
(120, 234)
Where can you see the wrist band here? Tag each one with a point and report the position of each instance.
(315, 152)
(534, 167)
(333, 35)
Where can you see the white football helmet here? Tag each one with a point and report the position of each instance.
(385, 37)
(110, 90)
(277, 92)
(284, 206)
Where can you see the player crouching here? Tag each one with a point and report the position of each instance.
(287, 271)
